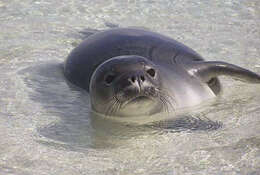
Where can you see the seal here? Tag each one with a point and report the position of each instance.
(131, 72)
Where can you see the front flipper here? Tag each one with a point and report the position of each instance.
(207, 70)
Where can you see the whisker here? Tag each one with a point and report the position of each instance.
(165, 106)
(166, 100)
(113, 106)
(116, 102)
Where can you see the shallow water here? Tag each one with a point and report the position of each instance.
(46, 126)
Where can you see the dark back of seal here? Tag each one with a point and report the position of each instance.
(93, 51)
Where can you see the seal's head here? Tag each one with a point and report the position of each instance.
(127, 86)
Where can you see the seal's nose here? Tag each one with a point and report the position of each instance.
(137, 78)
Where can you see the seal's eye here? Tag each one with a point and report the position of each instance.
(151, 72)
(109, 79)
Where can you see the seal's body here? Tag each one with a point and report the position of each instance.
(136, 72)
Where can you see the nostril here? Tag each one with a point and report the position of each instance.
(142, 78)
(133, 79)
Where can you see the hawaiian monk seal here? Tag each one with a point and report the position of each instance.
(130, 72)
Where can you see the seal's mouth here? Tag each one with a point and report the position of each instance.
(138, 100)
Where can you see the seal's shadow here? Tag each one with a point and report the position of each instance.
(77, 127)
